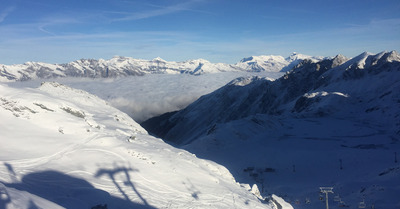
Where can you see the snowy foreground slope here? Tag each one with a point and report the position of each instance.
(332, 123)
(126, 66)
(64, 148)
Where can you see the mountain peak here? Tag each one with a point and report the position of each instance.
(200, 60)
(246, 59)
(358, 61)
(158, 59)
(338, 60)
(297, 56)
(393, 56)
(273, 63)
(118, 57)
(263, 58)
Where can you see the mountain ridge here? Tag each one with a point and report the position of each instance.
(330, 123)
(248, 96)
(120, 66)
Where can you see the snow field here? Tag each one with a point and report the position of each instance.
(62, 147)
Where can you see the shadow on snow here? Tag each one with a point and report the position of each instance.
(72, 192)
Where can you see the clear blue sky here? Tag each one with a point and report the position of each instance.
(217, 30)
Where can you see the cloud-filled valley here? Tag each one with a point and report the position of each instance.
(143, 97)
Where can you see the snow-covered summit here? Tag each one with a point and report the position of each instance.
(262, 63)
(274, 63)
(297, 56)
(158, 59)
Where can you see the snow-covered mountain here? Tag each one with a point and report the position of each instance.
(330, 123)
(125, 66)
(274, 63)
(65, 148)
(115, 67)
(292, 93)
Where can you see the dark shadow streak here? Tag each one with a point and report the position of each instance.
(69, 192)
(192, 189)
(4, 197)
(32, 205)
(112, 172)
(11, 172)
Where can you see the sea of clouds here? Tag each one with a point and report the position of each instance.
(143, 97)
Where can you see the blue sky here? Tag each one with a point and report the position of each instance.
(217, 30)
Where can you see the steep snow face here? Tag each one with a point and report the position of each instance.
(329, 123)
(65, 148)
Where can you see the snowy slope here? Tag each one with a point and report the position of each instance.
(330, 123)
(125, 66)
(65, 148)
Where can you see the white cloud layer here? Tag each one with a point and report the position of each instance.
(143, 97)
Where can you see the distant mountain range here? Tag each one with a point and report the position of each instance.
(125, 66)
